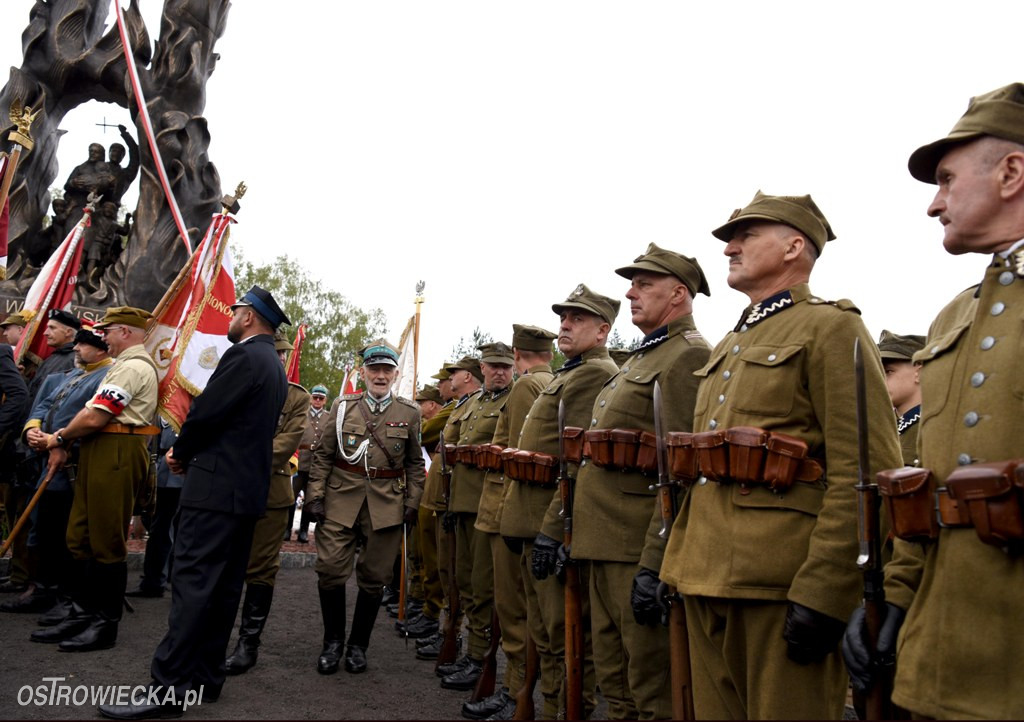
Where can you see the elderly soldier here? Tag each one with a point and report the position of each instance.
(474, 570)
(585, 319)
(265, 556)
(765, 553)
(365, 481)
(613, 505)
(316, 419)
(532, 357)
(113, 462)
(961, 643)
(902, 378)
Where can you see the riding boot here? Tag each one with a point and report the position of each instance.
(367, 606)
(255, 610)
(332, 609)
(110, 583)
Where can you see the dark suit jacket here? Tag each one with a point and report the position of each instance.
(227, 438)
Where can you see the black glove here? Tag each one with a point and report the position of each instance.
(857, 650)
(810, 635)
(644, 598)
(514, 544)
(315, 508)
(410, 517)
(448, 521)
(542, 561)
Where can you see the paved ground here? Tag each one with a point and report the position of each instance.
(283, 685)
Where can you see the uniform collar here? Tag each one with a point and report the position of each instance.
(909, 419)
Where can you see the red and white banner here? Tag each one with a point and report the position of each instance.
(189, 334)
(293, 362)
(53, 288)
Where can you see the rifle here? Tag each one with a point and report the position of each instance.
(485, 683)
(878, 699)
(678, 635)
(524, 697)
(450, 644)
(573, 591)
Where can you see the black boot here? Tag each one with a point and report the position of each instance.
(110, 581)
(363, 618)
(291, 522)
(255, 609)
(332, 609)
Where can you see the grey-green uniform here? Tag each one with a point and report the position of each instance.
(577, 384)
(961, 645)
(474, 567)
(509, 595)
(739, 551)
(898, 348)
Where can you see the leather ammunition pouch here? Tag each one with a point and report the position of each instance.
(908, 497)
(530, 467)
(572, 441)
(682, 457)
(749, 455)
(990, 495)
(488, 456)
(623, 449)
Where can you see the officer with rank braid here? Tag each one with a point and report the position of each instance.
(765, 554)
(365, 481)
(955, 600)
(613, 506)
(903, 379)
(585, 320)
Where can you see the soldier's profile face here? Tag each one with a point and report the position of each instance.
(967, 200)
(496, 376)
(579, 331)
(378, 378)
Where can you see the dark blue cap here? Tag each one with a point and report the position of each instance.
(264, 304)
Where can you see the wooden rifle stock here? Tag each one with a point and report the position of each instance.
(450, 641)
(485, 683)
(524, 697)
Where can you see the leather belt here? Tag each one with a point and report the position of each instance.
(115, 428)
(374, 472)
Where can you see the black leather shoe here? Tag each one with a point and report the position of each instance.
(146, 592)
(484, 708)
(465, 678)
(446, 669)
(355, 660)
(329, 658)
(507, 710)
(417, 628)
(141, 711)
(100, 634)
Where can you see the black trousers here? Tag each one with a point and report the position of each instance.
(211, 551)
(160, 542)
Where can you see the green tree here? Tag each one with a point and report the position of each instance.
(336, 329)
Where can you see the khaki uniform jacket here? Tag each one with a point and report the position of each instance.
(290, 429)
(788, 368)
(433, 496)
(577, 384)
(476, 426)
(961, 646)
(520, 399)
(311, 435)
(344, 492)
(612, 509)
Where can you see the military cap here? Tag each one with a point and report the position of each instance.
(661, 260)
(18, 318)
(585, 299)
(318, 390)
(124, 315)
(86, 335)
(263, 303)
(800, 212)
(531, 338)
(61, 316)
(496, 353)
(999, 113)
(429, 393)
(380, 352)
(442, 375)
(466, 363)
(893, 347)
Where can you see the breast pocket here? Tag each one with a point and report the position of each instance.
(938, 370)
(768, 380)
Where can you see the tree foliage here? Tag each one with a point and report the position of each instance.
(336, 329)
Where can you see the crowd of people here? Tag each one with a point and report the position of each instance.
(570, 514)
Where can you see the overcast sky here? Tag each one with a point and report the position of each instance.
(505, 152)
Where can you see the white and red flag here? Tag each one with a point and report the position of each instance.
(188, 334)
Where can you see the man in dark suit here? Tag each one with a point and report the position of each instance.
(224, 449)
